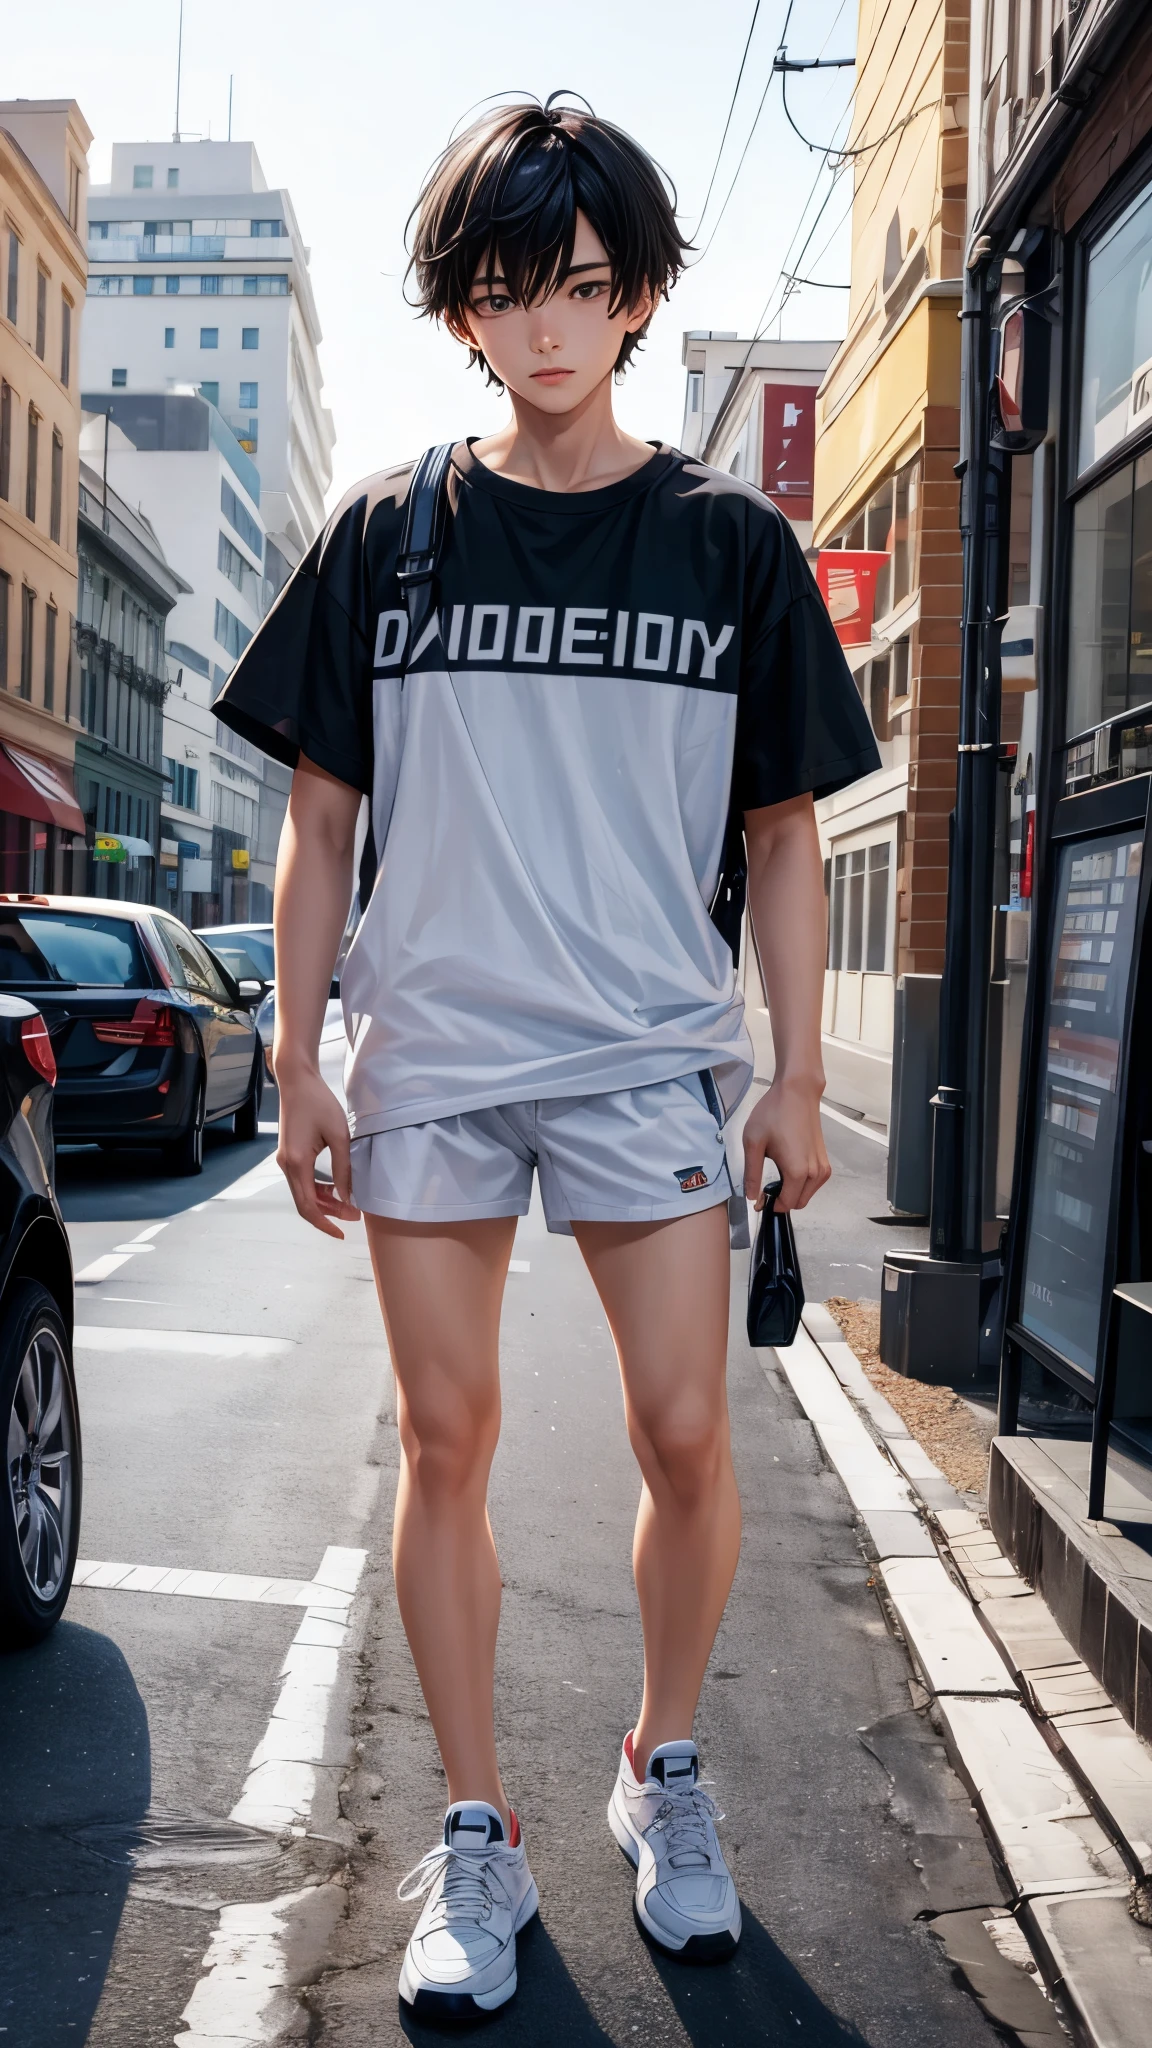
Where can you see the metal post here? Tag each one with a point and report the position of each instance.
(179, 62)
(957, 1213)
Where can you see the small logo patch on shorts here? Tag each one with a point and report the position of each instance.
(690, 1178)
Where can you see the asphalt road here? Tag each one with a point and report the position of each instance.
(126, 1737)
(125, 1740)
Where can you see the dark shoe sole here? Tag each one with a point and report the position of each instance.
(699, 1948)
(451, 2011)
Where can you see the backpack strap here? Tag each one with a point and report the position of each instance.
(423, 535)
(422, 539)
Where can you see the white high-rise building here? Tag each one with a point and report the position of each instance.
(198, 280)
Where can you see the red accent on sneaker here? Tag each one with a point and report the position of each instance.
(629, 1751)
(514, 1830)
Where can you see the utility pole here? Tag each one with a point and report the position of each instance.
(229, 106)
(179, 62)
(956, 1225)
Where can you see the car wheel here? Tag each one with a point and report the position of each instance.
(185, 1154)
(40, 1504)
(246, 1122)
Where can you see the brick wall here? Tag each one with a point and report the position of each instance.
(1122, 122)
(934, 714)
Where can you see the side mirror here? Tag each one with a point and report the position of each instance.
(252, 991)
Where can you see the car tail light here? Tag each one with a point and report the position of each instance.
(38, 1048)
(150, 1024)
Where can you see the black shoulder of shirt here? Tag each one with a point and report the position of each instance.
(261, 698)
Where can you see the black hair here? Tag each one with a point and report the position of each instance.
(504, 197)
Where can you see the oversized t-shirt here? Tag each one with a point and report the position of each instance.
(550, 771)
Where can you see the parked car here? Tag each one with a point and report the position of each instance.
(151, 1036)
(248, 953)
(331, 1030)
(39, 1416)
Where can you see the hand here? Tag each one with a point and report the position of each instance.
(311, 1119)
(785, 1127)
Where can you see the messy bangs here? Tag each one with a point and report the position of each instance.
(502, 202)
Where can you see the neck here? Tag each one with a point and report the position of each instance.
(580, 450)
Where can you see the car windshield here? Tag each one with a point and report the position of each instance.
(59, 945)
(247, 955)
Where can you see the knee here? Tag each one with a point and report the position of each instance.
(683, 1450)
(448, 1446)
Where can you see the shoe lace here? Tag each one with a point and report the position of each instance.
(467, 1892)
(685, 1818)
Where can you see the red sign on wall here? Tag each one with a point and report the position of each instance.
(790, 446)
(846, 580)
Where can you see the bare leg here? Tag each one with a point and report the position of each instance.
(441, 1287)
(664, 1287)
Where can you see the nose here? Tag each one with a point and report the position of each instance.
(543, 339)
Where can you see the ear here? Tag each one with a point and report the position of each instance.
(641, 312)
(460, 331)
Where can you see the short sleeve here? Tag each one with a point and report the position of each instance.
(800, 724)
(304, 682)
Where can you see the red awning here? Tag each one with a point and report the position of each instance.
(31, 786)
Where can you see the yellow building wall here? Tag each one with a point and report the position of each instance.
(29, 557)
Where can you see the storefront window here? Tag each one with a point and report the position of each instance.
(1098, 624)
(1116, 387)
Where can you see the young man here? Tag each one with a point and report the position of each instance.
(625, 642)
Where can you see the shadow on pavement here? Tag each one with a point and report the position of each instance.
(758, 1997)
(547, 2005)
(74, 1752)
(127, 1186)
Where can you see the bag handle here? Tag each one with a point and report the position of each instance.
(422, 538)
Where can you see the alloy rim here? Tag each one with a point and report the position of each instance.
(41, 1480)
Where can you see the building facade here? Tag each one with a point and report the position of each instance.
(126, 592)
(886, 527)
(174, 455)
(43, 180)
(750, 409)
(214, 297)
(1059, 264)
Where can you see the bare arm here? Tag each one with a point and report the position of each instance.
(313, 892)
(786, 899)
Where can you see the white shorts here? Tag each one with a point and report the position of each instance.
(638, 1155)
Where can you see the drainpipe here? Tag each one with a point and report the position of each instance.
(956, 1222)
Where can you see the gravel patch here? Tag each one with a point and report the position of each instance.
(941, 1423)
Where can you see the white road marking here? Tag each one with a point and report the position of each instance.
(188, 1343)
(134, 1247)
(244, 1997)
(281, 1782)
(269, 1130)
(99, 1269)
(153, 1230)
(328, 1596)
(519, 1265)
(850, 1124)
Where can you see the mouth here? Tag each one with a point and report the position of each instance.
(551, 376)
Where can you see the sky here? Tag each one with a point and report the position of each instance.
(349, 103)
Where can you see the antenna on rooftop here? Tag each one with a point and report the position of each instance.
(229, 106)
(179, 60)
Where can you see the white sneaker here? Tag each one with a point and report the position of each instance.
(461, 1960)
(685, 1897)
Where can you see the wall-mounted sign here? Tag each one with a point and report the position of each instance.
(846, 579)
(790, 446)
(107, 848)
(240, 859)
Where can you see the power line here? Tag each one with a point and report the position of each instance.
(731, 111)
(739, 168)
(846, 155)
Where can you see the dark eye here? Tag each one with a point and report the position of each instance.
(590, 289)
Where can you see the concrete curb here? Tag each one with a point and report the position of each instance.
(1062, 1785)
